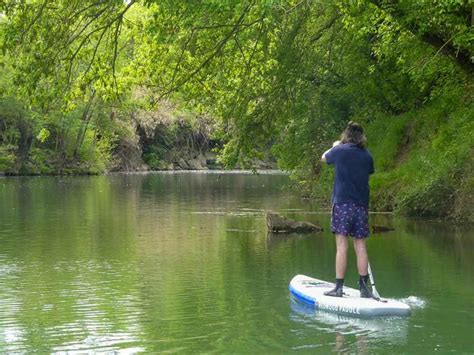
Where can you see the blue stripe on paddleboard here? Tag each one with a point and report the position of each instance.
(302, 296)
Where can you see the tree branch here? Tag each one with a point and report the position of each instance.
(78, 12)
(91, 62)
(321, 31)
(439, 50)
(181, 56)
(114, 59)
(94, 18)
(214, 53)
(248, 67)
(119, 18)
(212, 27)
(461, 56)
(240, 48)
(37, 17)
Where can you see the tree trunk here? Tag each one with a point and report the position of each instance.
(472, 16)
(24, 144)
(86, 116)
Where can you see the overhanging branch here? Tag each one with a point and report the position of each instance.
(461, 56)
(215, 52)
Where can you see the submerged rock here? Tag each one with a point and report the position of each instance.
(279, 224)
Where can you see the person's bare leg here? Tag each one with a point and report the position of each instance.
(362, 258)
(362, 266)
(341, 255)
(341, 263)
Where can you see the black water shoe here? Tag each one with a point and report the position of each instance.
(365, 291)
(337, 291)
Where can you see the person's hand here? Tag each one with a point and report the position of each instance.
(336, 143)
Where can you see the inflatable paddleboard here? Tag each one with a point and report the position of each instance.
(311, 291)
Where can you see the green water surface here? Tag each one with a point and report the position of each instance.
(183, 262)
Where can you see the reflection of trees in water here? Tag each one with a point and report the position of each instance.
(209, 192)
(178, 258)
(192, 269)
(424, 256)
(442, 237)
(207, 240)
(281, 240)
(215, 266)
(65, 236)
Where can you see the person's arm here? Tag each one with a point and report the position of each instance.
(323, 157)
(326, 157)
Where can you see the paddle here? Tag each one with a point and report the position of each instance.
(372, 283)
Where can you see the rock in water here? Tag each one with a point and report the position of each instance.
(280, 224)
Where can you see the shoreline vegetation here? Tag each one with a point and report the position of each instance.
(155, 142)
(167, 85)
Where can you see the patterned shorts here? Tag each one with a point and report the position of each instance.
(350, 219)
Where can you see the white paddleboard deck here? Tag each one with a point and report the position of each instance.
(311, 291)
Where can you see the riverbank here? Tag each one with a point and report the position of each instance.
(424, 159)
(161, 140)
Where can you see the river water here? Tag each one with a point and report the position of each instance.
(182, 262)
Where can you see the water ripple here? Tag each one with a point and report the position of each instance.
(414, 302)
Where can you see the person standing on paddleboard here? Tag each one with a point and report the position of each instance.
(350, 203)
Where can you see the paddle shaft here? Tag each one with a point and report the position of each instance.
(372, 281)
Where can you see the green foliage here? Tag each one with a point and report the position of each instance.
(39, 162)
(395, 131)
(154, 158)
(7, 159)
(437, 166)
(281, 76)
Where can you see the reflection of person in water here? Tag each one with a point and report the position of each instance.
(350, 199)
(352, 335)
(361, 341)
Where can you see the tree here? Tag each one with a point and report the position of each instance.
(284, 74)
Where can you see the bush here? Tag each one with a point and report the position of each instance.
(7, 159)
(153, 156)
(40, 162)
